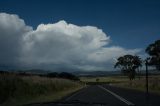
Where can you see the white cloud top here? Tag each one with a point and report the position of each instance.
(56, 45)
(12, 30)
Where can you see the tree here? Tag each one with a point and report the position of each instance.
(128, 65)
(68, 76)
(154, 51)
(97, 79)
(52, 75)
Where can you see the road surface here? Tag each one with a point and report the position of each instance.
(105, 95)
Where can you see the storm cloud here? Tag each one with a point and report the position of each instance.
(56, 45)
(12, 30)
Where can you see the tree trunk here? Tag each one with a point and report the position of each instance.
(130, 81)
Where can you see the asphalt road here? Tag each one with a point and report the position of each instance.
(105, 95)
(136, 97)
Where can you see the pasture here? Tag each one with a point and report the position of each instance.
(18, 90)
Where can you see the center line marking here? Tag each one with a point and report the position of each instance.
(117, 96)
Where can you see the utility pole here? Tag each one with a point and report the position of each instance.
(147, 93)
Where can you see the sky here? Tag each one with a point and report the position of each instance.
(75, 34)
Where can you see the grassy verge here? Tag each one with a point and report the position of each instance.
(122, 81)
(140, 84)
(17, 90)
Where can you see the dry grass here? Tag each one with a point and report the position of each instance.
(140, 84)
(123, 81)
(17, 90)
(109, 79)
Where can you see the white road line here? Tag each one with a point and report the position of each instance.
(75, 93)
(117, 96)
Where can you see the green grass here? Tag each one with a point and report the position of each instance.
(18, 90)
(124, 82)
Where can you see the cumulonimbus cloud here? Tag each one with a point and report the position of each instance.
(12, 30)
(56, 45)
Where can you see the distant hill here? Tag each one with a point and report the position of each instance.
(96, 73)
(78, 72)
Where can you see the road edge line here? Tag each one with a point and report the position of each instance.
(117, 96)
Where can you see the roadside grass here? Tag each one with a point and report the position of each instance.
(140, 84)
(107, 79)
(123, 81)
(18, 90)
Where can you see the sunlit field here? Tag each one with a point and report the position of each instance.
(18, 90)
(123, 81)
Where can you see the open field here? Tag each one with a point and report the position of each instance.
(107, 79)
(123, 81)
(18, 90)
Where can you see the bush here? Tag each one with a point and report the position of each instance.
(68, 76)
(64, 75)
(52, 75)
